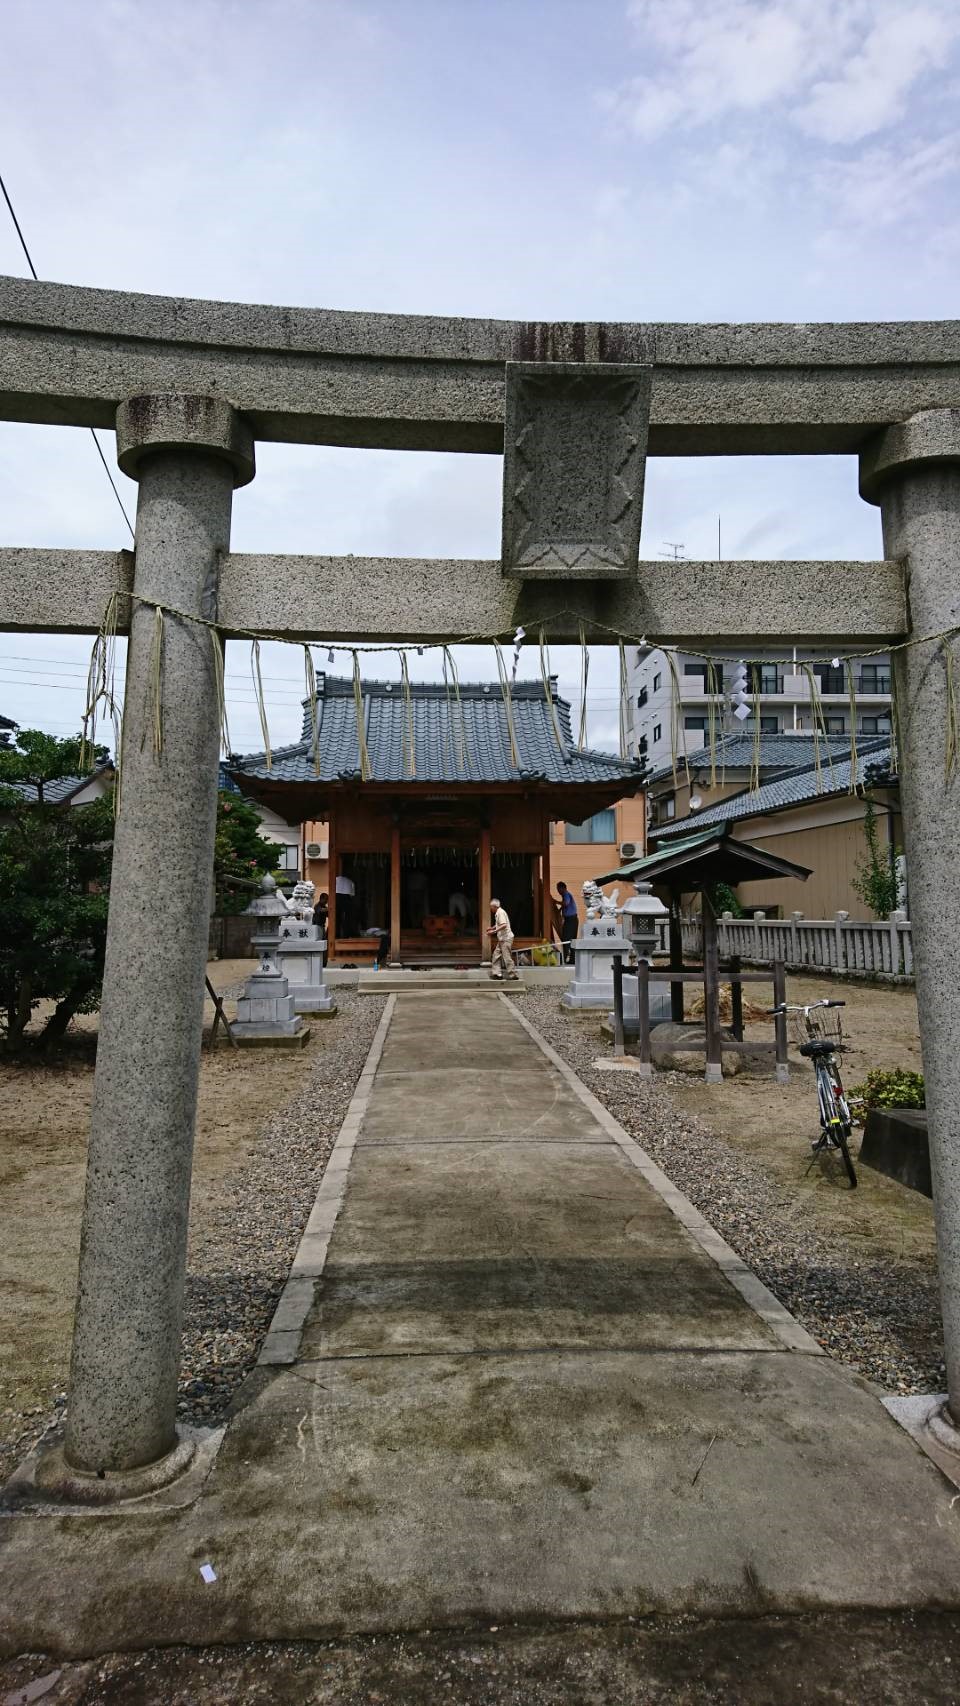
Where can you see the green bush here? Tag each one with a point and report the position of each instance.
(896, 1089)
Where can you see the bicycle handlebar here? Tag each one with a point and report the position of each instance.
(775, 1012)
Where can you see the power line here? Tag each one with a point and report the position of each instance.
(33, 270)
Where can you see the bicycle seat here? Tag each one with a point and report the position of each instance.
(820, 1048)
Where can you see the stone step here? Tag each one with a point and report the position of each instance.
(427, 982)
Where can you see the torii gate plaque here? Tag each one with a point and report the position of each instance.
(189, 388)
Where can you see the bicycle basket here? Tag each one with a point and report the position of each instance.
(822, 1025)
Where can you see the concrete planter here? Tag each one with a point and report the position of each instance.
(895, 1143)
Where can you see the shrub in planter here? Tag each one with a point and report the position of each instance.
(896, 1089)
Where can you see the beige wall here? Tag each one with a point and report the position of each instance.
(828, 838)
(582, 861)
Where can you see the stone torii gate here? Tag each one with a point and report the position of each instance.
(189, 387)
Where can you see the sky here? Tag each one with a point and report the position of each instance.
(703, 160)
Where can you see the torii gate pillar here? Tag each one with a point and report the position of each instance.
(913, 471)
(188, 453)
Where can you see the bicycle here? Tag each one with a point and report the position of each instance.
(821, 1040)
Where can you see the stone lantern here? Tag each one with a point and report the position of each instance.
(266, 1011)
(639, 918)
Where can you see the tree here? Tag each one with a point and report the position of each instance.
(241, 855)
(55, 865)
(54, 878)
(876, 880)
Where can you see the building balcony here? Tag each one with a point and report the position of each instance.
(795, 690)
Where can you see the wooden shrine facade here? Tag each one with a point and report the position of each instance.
(413, 860)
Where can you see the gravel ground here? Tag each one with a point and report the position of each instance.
(240, 1256)
(879, 1316)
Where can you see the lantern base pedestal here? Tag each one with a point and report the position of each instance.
(266, 1011)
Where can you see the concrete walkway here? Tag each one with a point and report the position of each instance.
(530, 1382)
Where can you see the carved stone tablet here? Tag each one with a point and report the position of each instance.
(575, 441)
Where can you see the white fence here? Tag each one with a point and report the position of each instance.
(840, 943)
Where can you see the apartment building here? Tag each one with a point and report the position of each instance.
(780, 688)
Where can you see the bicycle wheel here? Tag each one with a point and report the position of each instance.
(840, 1133)
(836, 1128)
(842, 1145)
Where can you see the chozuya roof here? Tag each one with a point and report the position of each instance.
(458, 736)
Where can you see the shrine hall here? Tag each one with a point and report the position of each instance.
(448, 799)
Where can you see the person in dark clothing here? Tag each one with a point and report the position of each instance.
(321, 914)
(569, 920)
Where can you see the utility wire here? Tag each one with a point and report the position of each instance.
(33, 270)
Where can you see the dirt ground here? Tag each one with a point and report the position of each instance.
(774, 1123)
(873, 1658)
(44, 1116)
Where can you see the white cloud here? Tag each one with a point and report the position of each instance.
(885, 186)
(839, 69)
(871, 90)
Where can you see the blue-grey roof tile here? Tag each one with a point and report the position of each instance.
(794, 788)
(456, 738)
(777, 752)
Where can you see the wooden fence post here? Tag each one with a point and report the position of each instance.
(736, 997)
(713, 1072)
(780, 1022)
(676, 959)
(643, 1009)
(617, 1005)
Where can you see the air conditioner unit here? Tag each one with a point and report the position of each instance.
(318, 849)
(629, 850)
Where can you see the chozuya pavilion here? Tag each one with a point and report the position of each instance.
(447, 799)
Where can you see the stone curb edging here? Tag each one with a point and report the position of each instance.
(281, 1345)
(754, 1293)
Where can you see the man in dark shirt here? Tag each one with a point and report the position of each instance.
(321, 913)
(569, 919)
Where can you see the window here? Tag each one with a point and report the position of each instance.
(874, 678)
(656, 683)
(669, 807)
(657, 731)
(874, 725)
(835, 725)
(642, 746)
(695, 723)
(694, 669)
(763, 678)
(288, 856)
(830, 680)
(641, 698)
(602, 826)
(769, 725)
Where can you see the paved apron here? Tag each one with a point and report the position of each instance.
(523, 1389)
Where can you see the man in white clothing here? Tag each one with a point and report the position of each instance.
(502, 929)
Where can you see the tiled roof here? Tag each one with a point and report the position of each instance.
(454, 741)
(710, 855)
(54, 793)
(794, 788)
(735, 752)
